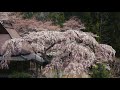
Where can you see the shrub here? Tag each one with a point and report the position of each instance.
(57, 17)
(100, 71)
(27, 15)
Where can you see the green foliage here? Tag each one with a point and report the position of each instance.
(27, 15)
(57, 17)
(20, 75)
(99, 71)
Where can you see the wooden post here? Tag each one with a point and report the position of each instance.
(32, 68)
(36, 70)
(31, 65)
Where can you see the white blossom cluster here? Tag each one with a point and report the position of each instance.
(73, 51)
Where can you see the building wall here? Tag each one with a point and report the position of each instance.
(3, 38)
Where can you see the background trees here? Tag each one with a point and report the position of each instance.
(104, 24)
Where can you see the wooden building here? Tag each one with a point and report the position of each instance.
(18, 62)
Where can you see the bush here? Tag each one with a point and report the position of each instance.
(27, 15)
(20, 75)
(57, 17)
(100, 71)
